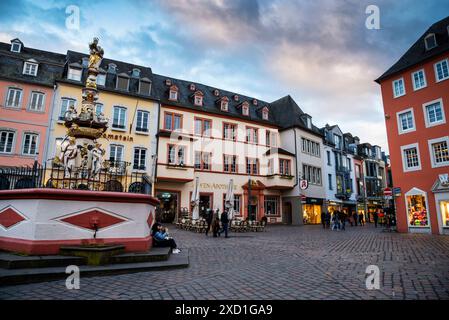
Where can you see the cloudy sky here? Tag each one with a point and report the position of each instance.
(319, 52)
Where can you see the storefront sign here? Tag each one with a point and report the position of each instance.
(215, 186)
(166, 196)
(118, 137)
(316, 201)
(397, 192)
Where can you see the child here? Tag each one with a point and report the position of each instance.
(216, 227)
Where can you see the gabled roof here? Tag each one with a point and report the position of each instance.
(418, 53)
(123, 69)
(209, 99)
(288, 114)
(11, 65)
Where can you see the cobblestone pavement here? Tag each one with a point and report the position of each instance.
(285, 262)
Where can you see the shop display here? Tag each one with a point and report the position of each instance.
(417, 212)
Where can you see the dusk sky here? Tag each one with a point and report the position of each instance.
(319, 52)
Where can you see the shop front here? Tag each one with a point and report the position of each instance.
(441, 192)
(312, 209)
(333, 206)
(169, 205)
(417, 211)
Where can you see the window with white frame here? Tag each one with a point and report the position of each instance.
(312, 147)
(66, 103)
(312, 174)
(173, 93)
(14, 98)
(224, 104)
(398, 88)
(270, 166)
(198, 100)
(115, 153)
(271, 138)
(430, 41)
(145, 87)
(245, 109)
(410, 157)
(37, 101)
(119, 118)
(176, 155)
(30, 68)
(30, 144)
(271, 205)
(101, 79)
(252, 166)
(442, 70)
(229, 131)
(419, 79)
(406, 121)
(140, 159)
(99, 109)
(74, 74)
(202, 160)
(265, 113)
(439, 152)
(6, 141)
(16, 47)
(329, 180)
(434, 113)
(284, 167)
(143, 118)
(122, 83)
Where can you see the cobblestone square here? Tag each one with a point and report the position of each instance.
(285, 262)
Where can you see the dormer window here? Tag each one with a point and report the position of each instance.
(30, 67)
(145, 86)
(245, 108)
(173, 93)
(198, 98)
(168, 82)
(224, 104)
(309, 123)
(112, 68)
(74, 73)
(16, 46)
(216, 93)
(255, 102)
(192, 87)
(236, 98)
(265, 113)
(101, 79)
(136, 73)
(430, 41)
(122, 82)
(85, 62)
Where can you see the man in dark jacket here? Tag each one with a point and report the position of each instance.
(209, 218)
(224, 223)
(323, 219)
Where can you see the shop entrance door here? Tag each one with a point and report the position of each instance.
(205, 204)
(287, 210)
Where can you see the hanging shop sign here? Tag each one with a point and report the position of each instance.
(304, 184)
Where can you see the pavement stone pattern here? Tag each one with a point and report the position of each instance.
(283, 263)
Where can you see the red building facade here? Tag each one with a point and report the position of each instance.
(415, 93)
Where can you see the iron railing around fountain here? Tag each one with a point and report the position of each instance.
(114, 176)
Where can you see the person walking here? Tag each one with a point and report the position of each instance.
(328, 220)
(209, 219)
(375, 218)
(361, 222)
(323, 219)
(342, 218)
(216, 227)
(354, 217)
(224, 223)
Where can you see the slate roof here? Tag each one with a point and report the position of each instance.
(418, 53)
(11, 65)
(210, 101)
(122, 69)
(279, 151)
(288, 114)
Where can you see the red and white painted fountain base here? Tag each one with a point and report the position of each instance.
(40, 221)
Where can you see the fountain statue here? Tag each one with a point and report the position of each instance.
(83, 154)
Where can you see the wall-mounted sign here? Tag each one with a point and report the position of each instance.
(118, 137)
(303, 184)
(444, 179)
(166, 195)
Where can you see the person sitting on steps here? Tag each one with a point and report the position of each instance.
(162, 239)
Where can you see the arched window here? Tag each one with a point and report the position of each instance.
(417, 210)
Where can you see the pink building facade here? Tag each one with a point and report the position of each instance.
(27, 78)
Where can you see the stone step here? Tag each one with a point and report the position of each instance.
(21, 276)
(15, 261)
(155, 254)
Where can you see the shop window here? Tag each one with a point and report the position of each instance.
(417, 208)
(445, 213)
